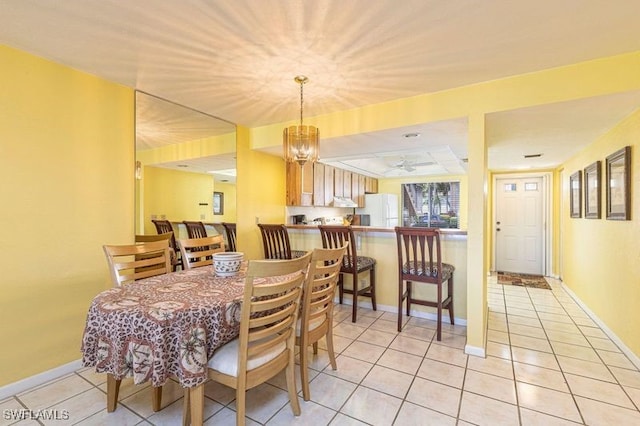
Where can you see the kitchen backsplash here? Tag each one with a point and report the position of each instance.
(316, 212)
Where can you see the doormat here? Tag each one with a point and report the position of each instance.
(523, 280)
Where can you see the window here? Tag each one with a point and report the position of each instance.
(432, 205)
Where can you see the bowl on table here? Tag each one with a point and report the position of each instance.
(227, 264)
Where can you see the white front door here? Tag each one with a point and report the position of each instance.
(519, 225)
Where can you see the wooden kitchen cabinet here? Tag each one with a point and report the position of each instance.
(318, 184)
(357, 188)
(346, 184)
(338, 182)
(299, 181)
(371, 185)
(328, 185)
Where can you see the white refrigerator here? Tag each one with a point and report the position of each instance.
(382, 209)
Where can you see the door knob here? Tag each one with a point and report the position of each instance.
(497, 229)
(497, 223)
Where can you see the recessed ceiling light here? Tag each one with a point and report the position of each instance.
(182, 165)
(411, 135)
(532, 155)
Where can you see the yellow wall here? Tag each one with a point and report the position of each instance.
(601, 258)
(66, 185)
(177, 195)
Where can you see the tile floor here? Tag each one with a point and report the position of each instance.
(548, 363)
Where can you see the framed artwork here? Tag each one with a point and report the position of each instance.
(592, 191)
(218, 203)
(618, 170)
(575, 194)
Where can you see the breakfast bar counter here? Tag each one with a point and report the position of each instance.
(380, 243)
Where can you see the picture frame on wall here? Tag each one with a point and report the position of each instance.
(575, 194)
(592, 191)
(618, 172)
(218, 203)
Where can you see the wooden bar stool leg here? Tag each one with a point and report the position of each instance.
(450, 294)
(355, 297)
(372, 278)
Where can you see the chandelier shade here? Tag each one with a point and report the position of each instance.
(301, 143)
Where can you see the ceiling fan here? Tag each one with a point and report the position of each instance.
(408, 165)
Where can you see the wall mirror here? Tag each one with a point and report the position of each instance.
(183, 157)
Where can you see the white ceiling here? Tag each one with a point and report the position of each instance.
(236, 59)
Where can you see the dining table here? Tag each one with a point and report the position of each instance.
(164, 326)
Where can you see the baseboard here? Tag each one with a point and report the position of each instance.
(635, 360)
(414, 313)
(39, 379)
(475, 351)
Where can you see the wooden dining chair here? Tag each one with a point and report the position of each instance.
(230, 229)
(197, 252)
(164, 226)
(131, 262)
(420, 260)
(334, 236)
(275, 242)
(266, 342)
(316, 318)
(128, 263)
(175, 257)
(195, 229)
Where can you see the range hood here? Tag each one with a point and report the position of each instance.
(343, 202)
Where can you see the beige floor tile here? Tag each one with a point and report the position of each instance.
(219, 392)
(498, 350)
(340, 343)
(330, 391)
(318, 361)
(452, 340)
(226, 417)
(547, 401)
(575, 351)
(386, 326)
(594, 370)
(421, 322)
(362, 321)
(528, 321)
(560, 326)
(584, 320)
(348, 330)
(530, 343)
(561, 318)
(568, 338)
(140, 402)
(626, 377)
(534, 418)
(634, 394)
(525, 304)
(400, 361)
(120, 417)
(593, 332)
(540, 376)
(388, 381)
(441, 372)
(342, 420)
(611, 393)
(498, 336)
(364, 351)
(598, 413)
(616, 359)
(52, 393)
(350, 369)
(410, 345)
(558, 310)
(490, 386)
(311, 414)
(603, 344)
(447, 354)
(530, 356)
(491, 365)
(263, 402)
(377, 337)
(80, 406)
(420, 333)
(372, 407)
(498, 326)
(172, 415)
(521, 312)
(93, 377)
(415, 415)
(525, 330)
(481, 410)
(436, 396)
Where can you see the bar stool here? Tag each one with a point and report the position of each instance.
(275, 242)
(230, 229)
(420, 260)
(195, 229)
(352, 264)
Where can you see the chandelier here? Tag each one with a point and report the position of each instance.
(301, 143)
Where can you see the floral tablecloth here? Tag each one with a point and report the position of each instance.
(163, 326)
